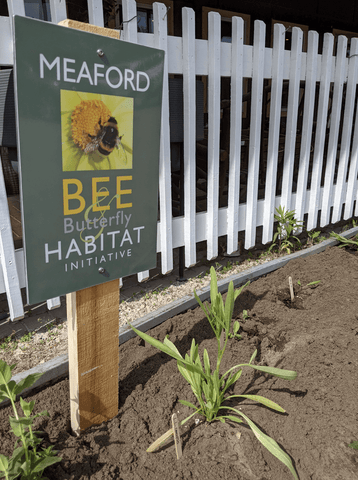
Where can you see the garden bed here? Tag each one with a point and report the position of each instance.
(316, 335)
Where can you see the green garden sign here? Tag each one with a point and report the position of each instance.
(89, 110)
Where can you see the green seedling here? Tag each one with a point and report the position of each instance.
(6, 343)
(228, 267)
(314, 237)
(245, 315)
(354, 445)
(209, 387)
(311, 284)
(235, 329)
(287, 226)
(28, 460)
(346, 242)
(27, 337)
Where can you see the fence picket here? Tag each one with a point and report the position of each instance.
(353, 167)
(340, 73)
(130, 34)
(325, 79)
(291, 122)
(16, 7)
(165, 191)
(235, 134)
(58, 11)
(346, 135)
(214, 57)
(274, 131)
(189, 94)
(258, 61)
(307, 123)
(95, 12)
(7, 256)
(129, 14)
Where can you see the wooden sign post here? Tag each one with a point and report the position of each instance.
(93, 324)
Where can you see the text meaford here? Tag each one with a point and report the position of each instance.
(68, 70)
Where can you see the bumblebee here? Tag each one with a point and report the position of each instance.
(107, 138)
(94, 128)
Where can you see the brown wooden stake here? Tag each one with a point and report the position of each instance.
(291, 288)
(177, 438)
(93, 325)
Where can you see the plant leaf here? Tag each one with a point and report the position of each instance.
(171, 345)
(354, 445)
(232, 379)
(231, 417)
(213, 285)
(5, 373)
(44, 463)
(206, 362)
(276, 372)
(259, 399)
(165, 349)
(188, 404)
(18, 424)
(27, 382)
(27, 407)
(236, 327)
(269, 443)
(4, 463)
(253, 356)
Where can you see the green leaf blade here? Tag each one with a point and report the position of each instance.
(259, 399)
(276, 372)
(269, 443)
(27, 382)
(5, 373)
(188, 404)
(4, 463)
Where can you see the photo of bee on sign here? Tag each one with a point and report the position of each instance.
(97, 131)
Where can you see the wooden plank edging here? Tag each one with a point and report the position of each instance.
(56, 368)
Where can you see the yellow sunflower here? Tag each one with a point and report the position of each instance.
(97, 131)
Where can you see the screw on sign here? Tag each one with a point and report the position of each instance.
(103, 272)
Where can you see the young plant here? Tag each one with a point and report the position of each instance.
(346, 242)
(28, 461)
(287, 226)
(314, 237)
(235, 331)
(354, 445)
(311, 284)
(208, 385)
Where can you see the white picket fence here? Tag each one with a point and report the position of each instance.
(191, 57)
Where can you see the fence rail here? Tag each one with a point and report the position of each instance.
(305, 159)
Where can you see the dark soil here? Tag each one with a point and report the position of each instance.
(316, 335)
